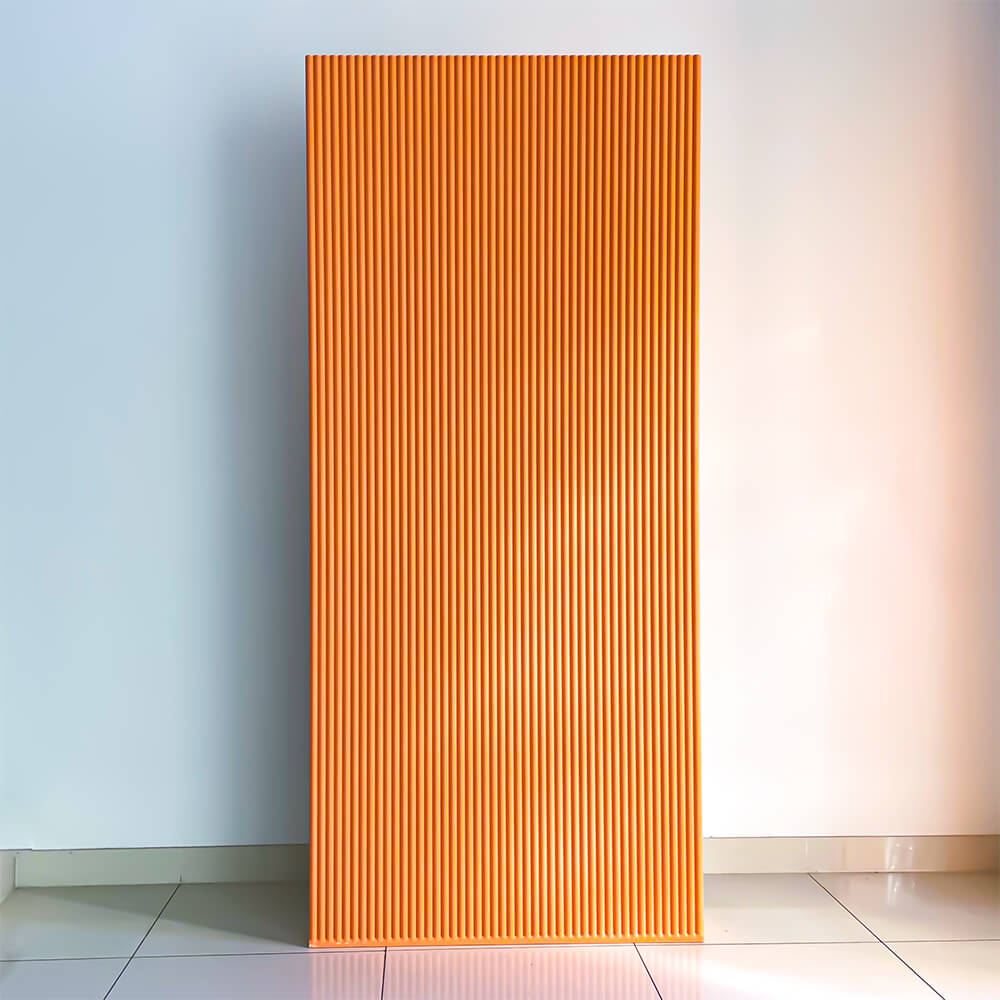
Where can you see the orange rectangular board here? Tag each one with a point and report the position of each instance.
(503, 258)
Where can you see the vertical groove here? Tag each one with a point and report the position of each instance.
(503, 315)
(694, 733)
(678, 451)
(671, 589)
(318, 600)
(395, 144)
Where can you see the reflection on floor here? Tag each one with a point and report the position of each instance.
(768, 937)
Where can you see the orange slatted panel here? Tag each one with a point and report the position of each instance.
(503, 316)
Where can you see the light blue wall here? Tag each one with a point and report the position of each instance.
(153, 402)
(153, 423)
(153, 406)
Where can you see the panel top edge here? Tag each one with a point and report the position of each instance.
(503, 57)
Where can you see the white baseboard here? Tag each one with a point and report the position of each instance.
(281, 862)
(142, 865)
(731, 855)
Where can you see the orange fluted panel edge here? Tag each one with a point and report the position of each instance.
(503, 258)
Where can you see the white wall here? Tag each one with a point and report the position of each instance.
(153, 438)
(849, 484)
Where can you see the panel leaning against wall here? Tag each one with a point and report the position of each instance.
(503, 333)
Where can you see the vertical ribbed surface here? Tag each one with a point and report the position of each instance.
(503, 316)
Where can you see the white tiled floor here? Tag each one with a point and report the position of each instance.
(777, 909)
(768, 937)
(232, 919)
(937, 906)
(103, 921)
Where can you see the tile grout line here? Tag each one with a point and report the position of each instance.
(139, 945)
(385, 959)
(887, 947)
(64, 958)
(299, 953)
(646, 967)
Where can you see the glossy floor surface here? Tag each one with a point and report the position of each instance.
(768, 937)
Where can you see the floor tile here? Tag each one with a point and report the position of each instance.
(926, 906)
(959, 970)
(782, 972)
(70, 979)
(766, 909)
(93, 921)
(232, 918)
(570, 973)
(344, 975)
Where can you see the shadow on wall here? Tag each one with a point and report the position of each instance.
(264, 430)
